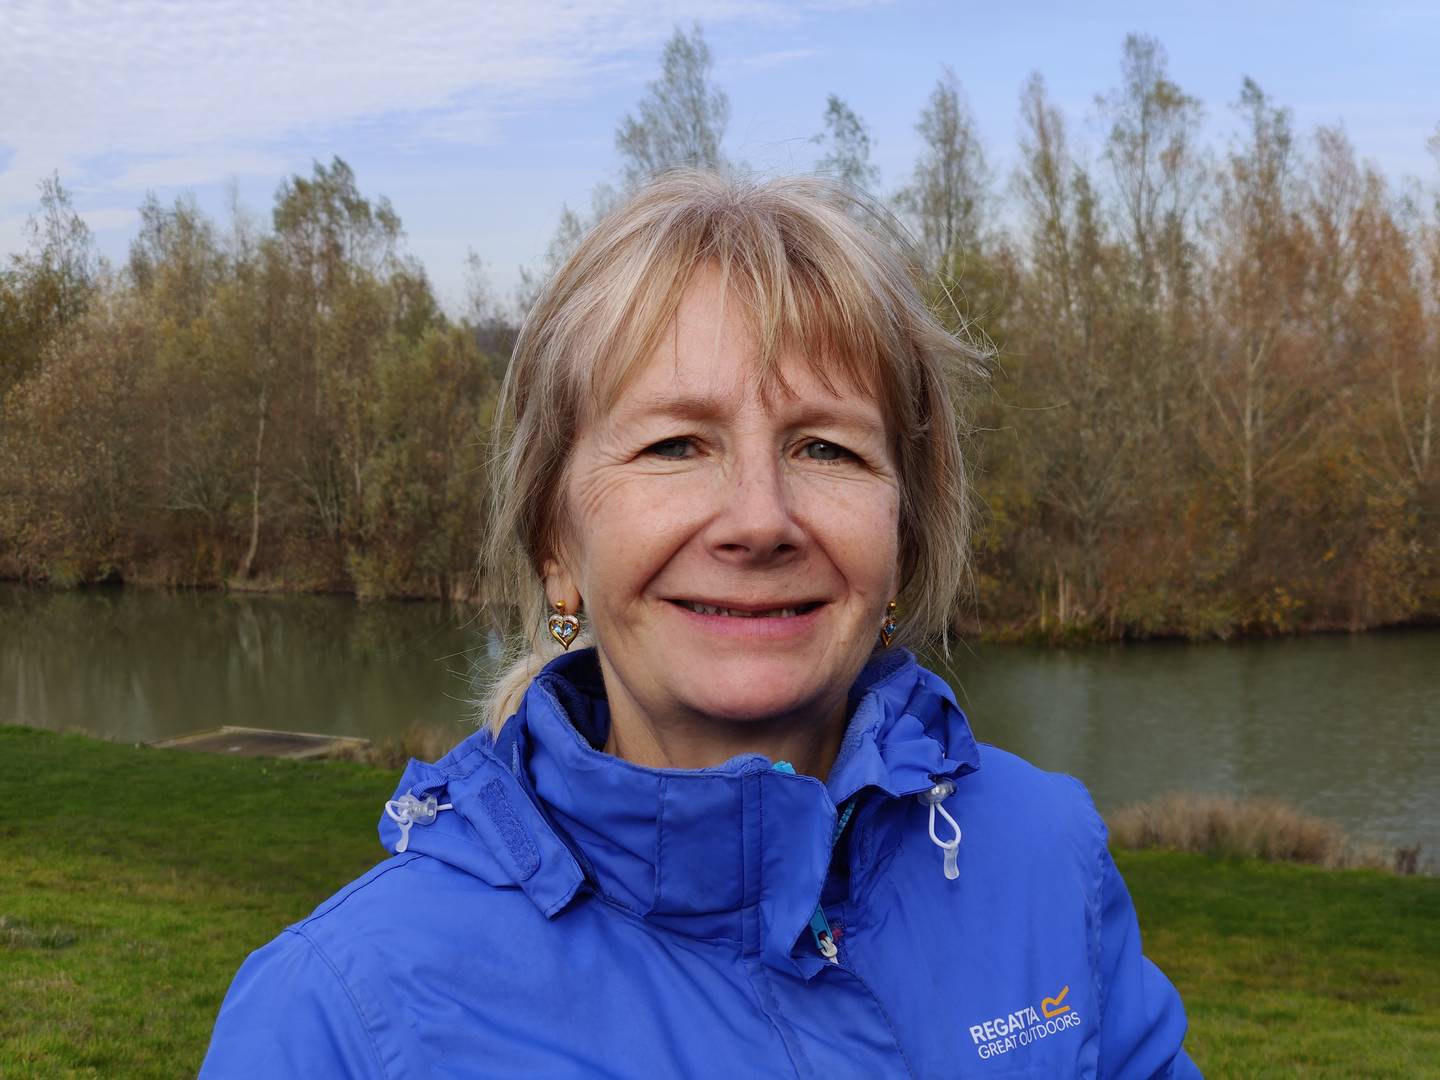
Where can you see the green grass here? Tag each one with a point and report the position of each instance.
(134, 881)
(1294, 970)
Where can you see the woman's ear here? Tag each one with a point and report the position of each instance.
(560, 586)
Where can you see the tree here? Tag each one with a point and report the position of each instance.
(486, 319)
(1151, 151)
(1044, 183)
(330, 231)
(432, 403)
(336, 251)
(847, 147)
(1083, 445)
(946, 197)
(176, 268)
(1261, 409)
(1397, 279)
(175, 258)
(62, 251)
(46, 288)
(682, 118)
(1424, 430)
(1158, 173)
(76, 450)
(1335, 192)
(680, 121)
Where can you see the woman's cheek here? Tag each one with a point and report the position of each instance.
(631, 526)
(859, 524)
(591, 492)
(863, 506)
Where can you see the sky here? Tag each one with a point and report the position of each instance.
(480, 119)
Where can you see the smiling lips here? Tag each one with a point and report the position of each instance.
(780, 611)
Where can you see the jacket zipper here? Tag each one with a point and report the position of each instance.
(824, 939)
(819, 925)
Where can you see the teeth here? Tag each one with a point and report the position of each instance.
(773, 613)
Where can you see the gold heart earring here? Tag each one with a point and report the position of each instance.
(887, 628)
(563, 628)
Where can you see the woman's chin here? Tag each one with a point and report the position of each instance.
(752, 689)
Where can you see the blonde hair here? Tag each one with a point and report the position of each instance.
(818, 270)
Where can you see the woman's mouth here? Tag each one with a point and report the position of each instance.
(784, 610)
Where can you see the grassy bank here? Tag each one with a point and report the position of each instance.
(135, 881)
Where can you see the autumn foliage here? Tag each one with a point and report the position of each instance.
(1215, 406)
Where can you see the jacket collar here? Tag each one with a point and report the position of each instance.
(735, 852)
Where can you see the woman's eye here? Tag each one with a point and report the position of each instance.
(674, 449)
(819, 450)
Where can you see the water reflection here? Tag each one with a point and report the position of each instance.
(1346, 727)
(140, 665)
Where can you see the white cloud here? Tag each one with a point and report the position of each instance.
(186, 170)
(12, 235)
(115, 217)
(776, 59)
(125, 95)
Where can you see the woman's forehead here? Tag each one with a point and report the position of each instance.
(703, 385)
(713, 348)
(788, 378)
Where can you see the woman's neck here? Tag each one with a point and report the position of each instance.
(809, 743)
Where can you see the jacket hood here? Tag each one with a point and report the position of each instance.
(737, 852)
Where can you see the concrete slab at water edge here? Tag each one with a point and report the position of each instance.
(262, 742)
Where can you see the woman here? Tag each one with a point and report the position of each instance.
(726, 838)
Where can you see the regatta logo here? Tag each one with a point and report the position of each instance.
(1024, 1026)
(1052, 1007)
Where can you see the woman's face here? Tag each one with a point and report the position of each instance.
(734, 553)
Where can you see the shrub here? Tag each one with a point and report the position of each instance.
(1258, 828)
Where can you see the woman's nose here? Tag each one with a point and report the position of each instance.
(755, 520)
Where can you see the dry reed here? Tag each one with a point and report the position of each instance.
(1259, 828)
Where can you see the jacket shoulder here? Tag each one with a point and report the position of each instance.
(407, 899)
(287, 1013)
(1028, 789)
(1009, 801)
(379, 878)
(326, 989)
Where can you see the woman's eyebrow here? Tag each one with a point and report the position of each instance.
(681, 406)
(837, 414)
(793, 413)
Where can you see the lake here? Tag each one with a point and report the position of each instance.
(1346, 727)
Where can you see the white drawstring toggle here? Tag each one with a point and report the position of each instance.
(935, 799)
(408, 810)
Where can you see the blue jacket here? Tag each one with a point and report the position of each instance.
(560, 912)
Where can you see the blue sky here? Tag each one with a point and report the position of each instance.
(479, 120)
